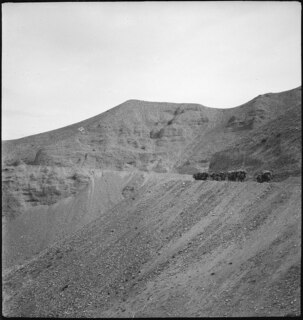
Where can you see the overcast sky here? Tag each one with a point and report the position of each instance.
(66, 62)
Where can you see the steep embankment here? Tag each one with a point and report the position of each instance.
(63, 205)
(176, 247)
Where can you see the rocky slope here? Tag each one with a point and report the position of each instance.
(54, 209)
(159, 137)
(242, 135)
(103, 218)
(264, 133)
(276, 146)
(177, 248)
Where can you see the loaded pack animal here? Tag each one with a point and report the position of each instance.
(215, 176)
(222, 175)
(232, 175)
(200, 176)
(264, 176)
(241, 175)
(235, 175)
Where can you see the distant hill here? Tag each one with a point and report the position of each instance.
(171, 137)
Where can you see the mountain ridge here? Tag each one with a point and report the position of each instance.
(154, 132)
(159, 103)
(103, 218)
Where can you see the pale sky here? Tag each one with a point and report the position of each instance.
(65, 62)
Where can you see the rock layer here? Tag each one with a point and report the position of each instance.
(103, 218)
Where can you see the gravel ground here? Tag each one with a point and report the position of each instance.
(173, 247)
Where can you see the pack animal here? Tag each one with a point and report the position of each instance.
(201, 176)
(264, 176)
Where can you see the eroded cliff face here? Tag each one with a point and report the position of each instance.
(106, 197)
(54, 203)
(137, 134)
(160, 137)
(26, 186)
(41, 170)
(276, 146)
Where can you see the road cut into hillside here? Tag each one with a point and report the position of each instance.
(164, 245)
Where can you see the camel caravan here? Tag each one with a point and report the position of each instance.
(235, 175)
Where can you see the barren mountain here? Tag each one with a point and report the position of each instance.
(103, 218)
(162, 137)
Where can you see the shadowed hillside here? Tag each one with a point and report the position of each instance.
(276, 146)
(260, 118)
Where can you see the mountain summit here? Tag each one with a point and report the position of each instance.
(175, 137)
